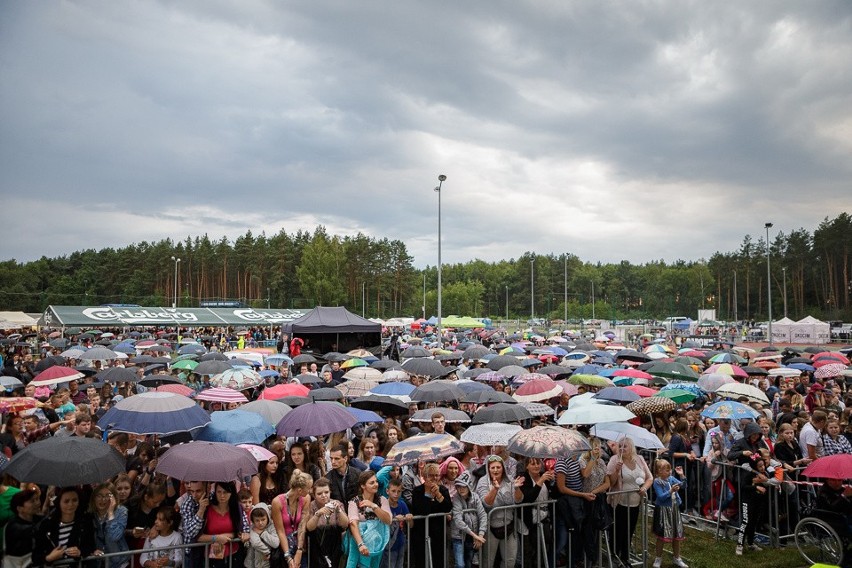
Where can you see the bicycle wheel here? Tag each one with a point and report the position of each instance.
(817, 542)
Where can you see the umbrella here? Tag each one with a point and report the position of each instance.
(259, 453)
(302, 379)
(66, 462)
(192, 348)
(738, 390)
(56, 375)
(393, 389)
(212, 367)
(829, 371)
(186, 365)
(237, 379)
(451, 415)
(160, 413)
(207, 461)
(363, 374)
(617, 394)
(415, 352)
(280, 391)
(801, 366)
(651, 405)
(277, 360)
(730, 410)
(271, 410)
(711, 381)
(642, 391)
(679, 396)
(424, 367)
(589, 380)
(437, 391)
(10, 382)
(293, 401)
(221, 394)
(594, 414)
(325, 394)
(489, 396)
(615, 431)
(492, 434)
(501, 412)
(568, 388)
(362, 415)
(385, 365)
(354, 388)
(236, 427)
(837, 466)
(537, 390)
(99, 354)
(491, 377)
(546, 442)
(352, 363)
(673, 371)
(73, 353)
(384, 404)
(17, 403)
(395, 375)
(315, 419)
(688, 387)
(783, 372)
(48, 362)
(632, 374)
(727, 369)
(213, 356)
(182, 390)
(538, 409)
(475, 352)
(304, 358)
(501, 361)
(423, 447)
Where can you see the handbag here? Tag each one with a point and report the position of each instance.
(276, 555)
(498, 532)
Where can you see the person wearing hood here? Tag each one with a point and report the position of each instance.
(263, 538)
(743, 450)
(470, 521)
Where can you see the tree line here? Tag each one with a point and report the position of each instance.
(809, 273)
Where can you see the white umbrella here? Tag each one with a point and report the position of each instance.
(617, 430)
(784, 372)
(737, 390)
(584, 399)
(595, 414)
(490, 434)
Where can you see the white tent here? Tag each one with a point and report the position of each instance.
(781, 330)
(810, 330)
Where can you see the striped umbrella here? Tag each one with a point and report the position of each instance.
(221, 394)
(159, 413)
(55, 375)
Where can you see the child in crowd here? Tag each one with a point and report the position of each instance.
(401, 521)
(753, 501)
(469, 522)
(668, 526)
(263, 538)
(165, 525)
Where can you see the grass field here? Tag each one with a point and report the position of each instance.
(702, 550)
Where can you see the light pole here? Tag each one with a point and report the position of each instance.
(565, 281)
(507, 303)
(423, 307)
(532, 289)
(268, 299)
(441, 179)
(768, 226)
(174, 300)
(593, 299)
(784, 276)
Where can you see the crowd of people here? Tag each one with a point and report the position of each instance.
(332, 501)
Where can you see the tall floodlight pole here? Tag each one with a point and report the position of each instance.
(532, 289)
(174, 300)
(784, 276)
(768, 226)
(441, 179)
(565, 280)
(507, 303)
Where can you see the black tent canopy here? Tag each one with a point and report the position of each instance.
(334, 329)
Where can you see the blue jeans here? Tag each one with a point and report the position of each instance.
(463, 552)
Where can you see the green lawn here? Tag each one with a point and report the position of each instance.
(702, 550)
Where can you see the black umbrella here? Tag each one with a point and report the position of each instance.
(385, 364)
(415, 352)
(325, 394)
(437, 391)
(213, 356)
(473, 373)
(588, 347)
(554, 370)
(115, 375)
(513, 371)
(501, 361)
(501, 412)
(143, 360)
(424, 367)
(632, 355)
(792, 360)
(489, 396)
(88, 371)
(212, 367)
(812, 349)
(755, 371)
(476, 352)
(154, 381)
(66, 462)
(387, 405)
(308, 379)
(49, 362)
(304, 358)
(293, 400)
(335, 356)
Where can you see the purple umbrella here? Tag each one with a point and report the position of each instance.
(207, 461)
(316, 419)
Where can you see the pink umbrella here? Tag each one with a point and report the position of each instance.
(259, 452)
(182, 390)
(567, 387)
(632, 373)
(538, 389)
(280, 391)
(221, 394)
(824, 372)
(641, 391)
(55, 375)
(727, 369)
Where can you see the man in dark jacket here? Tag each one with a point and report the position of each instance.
(430, 498)
(342, 478)
(20, 529)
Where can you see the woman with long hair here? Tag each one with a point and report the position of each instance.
(264, 486)
(142, 513)
(224, 521)
(497, 489)
(629, 478)
(325, 525)
(596, 482)
(110, 519)
(68, 533)
(369, 524)
(298, 459)
(290, 514)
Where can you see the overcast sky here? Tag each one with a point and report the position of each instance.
(637, 130)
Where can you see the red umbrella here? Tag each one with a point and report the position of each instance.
(641, 391)
(17, 403)
(837, 466)
(830, 355)
(536, 390)
(280, 391)
(55, 375)
(182, 390)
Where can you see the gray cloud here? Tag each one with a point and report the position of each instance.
(636, 131)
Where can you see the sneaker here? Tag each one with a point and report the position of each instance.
(658, 562)
(678, 561)
(739, 551)
(754, 547)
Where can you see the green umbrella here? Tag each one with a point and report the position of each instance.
(186, 364)
(591, 380)
(678, 395)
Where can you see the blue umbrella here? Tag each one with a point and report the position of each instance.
(608, 372)
(617, 394)
(269, 373)
(362, 415)
(393, 389)
(689, 387)
(159, 413)
(730, 410)
(802, 367)
(125, 347)
(588, 369)
(469, 386)
(278, 360)
(557, 351)
(236, 427)
(192, 349)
